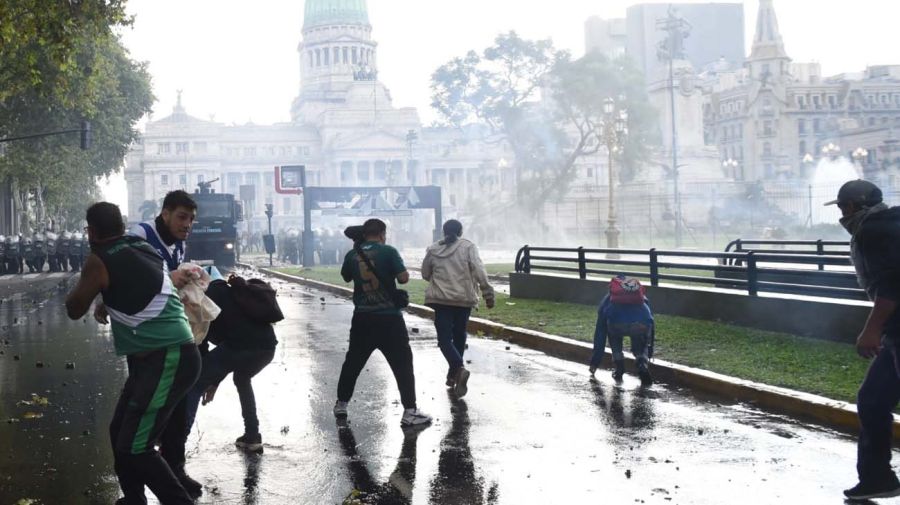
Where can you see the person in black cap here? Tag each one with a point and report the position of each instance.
(875, 252)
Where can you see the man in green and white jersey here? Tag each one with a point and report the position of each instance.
(150, 328)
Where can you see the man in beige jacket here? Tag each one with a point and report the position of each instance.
(455, 274)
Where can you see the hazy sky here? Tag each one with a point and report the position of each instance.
(238, 60)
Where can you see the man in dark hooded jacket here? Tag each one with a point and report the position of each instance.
(875, 251)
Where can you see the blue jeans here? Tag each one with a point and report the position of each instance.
(878, 396)
(220, 362)
(640, 340)
(450, 323)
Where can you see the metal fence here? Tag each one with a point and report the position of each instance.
(750, 271)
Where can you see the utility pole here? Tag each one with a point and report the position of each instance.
(670, 49)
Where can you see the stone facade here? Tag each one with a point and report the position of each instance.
(773, 116)
(344, 128)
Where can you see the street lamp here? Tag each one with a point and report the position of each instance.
(615, 127)
(859, 154)
(730, 165)
(831, 150)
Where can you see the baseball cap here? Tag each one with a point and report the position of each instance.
(858, 191)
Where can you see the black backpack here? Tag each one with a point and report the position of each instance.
(256, 299)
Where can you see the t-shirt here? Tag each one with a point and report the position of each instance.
(173, 254)
(145, 311)
(368, 294)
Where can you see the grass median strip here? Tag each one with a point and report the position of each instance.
(825, 368)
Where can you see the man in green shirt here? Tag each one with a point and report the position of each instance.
(374, 268)
(151, 330)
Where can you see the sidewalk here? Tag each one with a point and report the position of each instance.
(35, 285)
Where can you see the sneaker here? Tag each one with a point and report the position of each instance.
(340, 409)
(646, 378)
(249, 442)
(194, 489)
(592, 370)
(413, 417)
(868, 490)
(462, 378)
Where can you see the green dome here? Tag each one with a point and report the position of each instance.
(335, 12)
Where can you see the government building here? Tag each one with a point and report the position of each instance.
(343, 128)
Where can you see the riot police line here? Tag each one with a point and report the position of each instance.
(330, 246)
(20, 254)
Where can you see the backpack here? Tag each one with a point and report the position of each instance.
(256, 299)
(626, 290)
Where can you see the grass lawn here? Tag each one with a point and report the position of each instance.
(826, 368)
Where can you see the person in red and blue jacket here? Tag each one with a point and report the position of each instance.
(615, 321)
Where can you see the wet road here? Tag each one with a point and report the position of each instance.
(533, 429)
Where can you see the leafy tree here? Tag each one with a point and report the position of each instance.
(546, 107)
(68, 65)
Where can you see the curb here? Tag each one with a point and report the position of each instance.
(805, 406)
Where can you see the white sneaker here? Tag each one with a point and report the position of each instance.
(414, 417)
(340, 409)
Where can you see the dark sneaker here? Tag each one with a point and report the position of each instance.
(868, 490)
(194, 489)
(462, 379)
(450, 382)
(619, 371)
(340, 409)
(249, 442)
(646, 378)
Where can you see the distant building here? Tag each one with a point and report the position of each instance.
(344, 128)
(774, 117)
(717, 33)
(607, 36)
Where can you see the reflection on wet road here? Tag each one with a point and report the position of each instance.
(533, 429)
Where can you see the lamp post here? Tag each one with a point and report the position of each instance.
(615, 128)
(731, 167)
(831, 150)
(859, 154)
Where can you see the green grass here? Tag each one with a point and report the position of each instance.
(815, 366)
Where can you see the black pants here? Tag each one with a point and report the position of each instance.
(878, 396)
(156, 383)
(387, 333)
(220, 362)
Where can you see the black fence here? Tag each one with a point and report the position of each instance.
(824, 248)
(751, 271)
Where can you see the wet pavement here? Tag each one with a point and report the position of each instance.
(532, 430)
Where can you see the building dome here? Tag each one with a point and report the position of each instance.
(335, 12)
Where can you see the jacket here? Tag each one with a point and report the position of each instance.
(232, 328)
(455, 274)
(876, 258)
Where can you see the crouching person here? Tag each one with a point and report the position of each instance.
(150, 328)
(245, 344)
(623, 312)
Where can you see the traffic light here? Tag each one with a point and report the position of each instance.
(86, 135)
(269, 211)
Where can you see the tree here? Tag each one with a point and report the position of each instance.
(545, 106)
(84, 73)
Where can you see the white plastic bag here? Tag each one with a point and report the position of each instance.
(200, 309)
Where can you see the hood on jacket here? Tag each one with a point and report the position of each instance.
(442, 249)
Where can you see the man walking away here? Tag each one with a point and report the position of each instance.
(624, 311)
(150, 328)
(875, 252)
(377, 322)
(455, 274)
